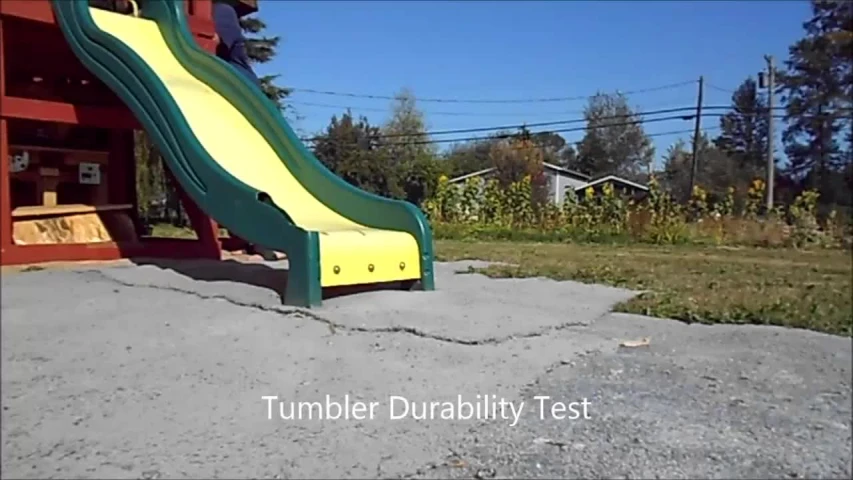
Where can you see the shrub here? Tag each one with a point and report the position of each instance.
(484, 210)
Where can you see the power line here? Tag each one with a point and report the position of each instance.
(481, 101)
(559, 130)
(690, 116)
(438, 113)
(563, 130)
(535, 146)
(719, 89)
(430, 113)
(527, 125)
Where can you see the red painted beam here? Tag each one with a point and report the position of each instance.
(103, 117)
(200, 23)
(78, 252)
(28, 9)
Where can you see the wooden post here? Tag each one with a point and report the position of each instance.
(205, 227)
(696, 130)
(50, 181)
(6, 239)
(203, 9)
(771, 162)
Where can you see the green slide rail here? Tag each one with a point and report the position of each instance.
(241, 209)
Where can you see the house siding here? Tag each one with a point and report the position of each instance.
(561, 182)
(557, 184)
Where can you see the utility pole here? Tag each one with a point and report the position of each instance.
(697, 125)
(771, 175)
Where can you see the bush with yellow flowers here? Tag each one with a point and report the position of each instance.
(485, 210)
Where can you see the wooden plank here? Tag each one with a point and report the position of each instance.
(38, 11)
(48, 190)
(149, 248)
(57, 210)
(103, 117)
(73, 156)
(41, 11)
(35, 177)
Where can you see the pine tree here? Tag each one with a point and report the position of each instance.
(816, 88)
(744, 130)
(261, 49)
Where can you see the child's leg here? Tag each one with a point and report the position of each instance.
(232, 43)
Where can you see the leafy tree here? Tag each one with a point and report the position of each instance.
(407, 146)
(614, 142)
(675, 177)
(406, 130)
(472, 156)
(555, 149)
(150, 179)
(353, 150)
(744, 130)
(716, 171)
(517, 157)
(816, 88)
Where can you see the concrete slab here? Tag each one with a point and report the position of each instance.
(159, 371)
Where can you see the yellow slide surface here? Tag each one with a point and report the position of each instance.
(350, 253)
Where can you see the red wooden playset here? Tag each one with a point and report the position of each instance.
(67, 175)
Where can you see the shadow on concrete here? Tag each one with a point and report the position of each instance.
(261, 275)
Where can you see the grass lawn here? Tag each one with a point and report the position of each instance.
(805, 289)
(810, 289)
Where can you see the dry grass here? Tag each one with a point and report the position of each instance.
(804, 289)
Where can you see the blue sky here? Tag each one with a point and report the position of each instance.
(522, 50)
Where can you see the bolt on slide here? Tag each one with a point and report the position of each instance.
(258, 180)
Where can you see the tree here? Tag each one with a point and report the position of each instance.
(407, 145)
(150, 179)
(676, 170)
(555, 149)
(472, 156)
(262, 49)
(517, 157)
(716, 171)
(744, 130)
(614, 141)
(816, 88)
(354, 152)
(406, 130)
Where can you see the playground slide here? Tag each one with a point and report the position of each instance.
(237, 157)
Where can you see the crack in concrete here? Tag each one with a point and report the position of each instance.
(333, 326)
